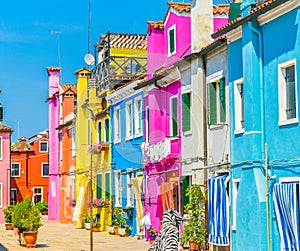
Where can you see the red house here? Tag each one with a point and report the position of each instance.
(30, 168)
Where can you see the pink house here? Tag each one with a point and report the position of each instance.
(5, 133)
(54, 160)
(168, 41)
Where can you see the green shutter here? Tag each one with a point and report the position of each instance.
(107, 185)
(212, 108)
(186, 112)
(174, 117)
(184, 186)
(99, 185)
(99, 131)
(222, 100)
(172, 40)
(106, 124)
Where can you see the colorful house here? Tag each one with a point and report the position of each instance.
(168, 41)
(29, 172)
(54, 158)
(263, 51)
(126, 109)
(68, 99)
(5, 184)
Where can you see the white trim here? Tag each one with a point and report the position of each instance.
(215, 76)
(40, 146)
(170, 114)
(1, 195)
(42, 174)
(118, 183)
(147, 124)
(239, 110)
(42, 193)
(1, 148)
(19, 169)
(172, 27)
(277, 12)
(289, 179)
(117, 125)
(138, 117)
(234, 34)
(129, 199)
(129, 120)
(234, 197)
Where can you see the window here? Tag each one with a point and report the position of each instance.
(138, 116)
(1, 148)
(117, 125)
(45, 170)
(15, 170)
(37, 194)
(216, 102)
(13, 195)
(239, 106)
(171, 40)
(107, 185)
(44, 146)
(129, 132)
(99, 128)
(118, 191)
(147, 124)
(73, 143)
(173, 116)
(129, 191)
(99, 185)
(235, 188)
(106, 129)
(287, 89)
(186, 112)
(1, 195)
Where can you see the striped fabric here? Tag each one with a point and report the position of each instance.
(218, 210)
(286, 199)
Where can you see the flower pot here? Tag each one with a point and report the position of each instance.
(87, 225)
(194, 246)
(152, 238)
(128, 232)
(96, 228)
(21, 239)
(9, 226)
(121, 231)
(116, 230)
(30, 238)
(110, 230)
(16, 231)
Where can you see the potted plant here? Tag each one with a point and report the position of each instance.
(152, 235)
(194, 230)
(8, 211)
(87, 221)
(116, 225)
(96, 226)
(128, 230)
(43, 207)
(27, 218)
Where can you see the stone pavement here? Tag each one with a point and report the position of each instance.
(64, 237)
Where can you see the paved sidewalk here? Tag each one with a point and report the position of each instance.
(64, 237)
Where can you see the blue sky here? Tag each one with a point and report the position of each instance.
(27, 47)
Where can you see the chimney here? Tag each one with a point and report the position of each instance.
(54, 75)
(22, 143)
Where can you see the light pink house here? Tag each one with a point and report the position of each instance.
(168, 41)
(5, 133)
(54, 164)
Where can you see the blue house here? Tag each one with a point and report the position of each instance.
(263, 56)
(126, 109)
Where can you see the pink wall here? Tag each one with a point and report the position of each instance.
(219, 22)
(5, 172)
(54, 164)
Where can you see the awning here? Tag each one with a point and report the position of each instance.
(285, 198)
(218, 210)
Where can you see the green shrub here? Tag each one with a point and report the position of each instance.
(42, 206)
(8, 211)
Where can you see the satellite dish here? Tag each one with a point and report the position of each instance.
(89, 59)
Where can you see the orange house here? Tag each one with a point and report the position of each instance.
(29, 172)
(68, 94)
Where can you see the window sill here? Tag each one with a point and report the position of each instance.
(239, 131)
(187, 133)
(288, 122)
(129, 138)
(117, 141)
(233, 228)
(138, 135)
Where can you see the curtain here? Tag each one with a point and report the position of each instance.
(218, 210)
(166, 190)
(137, 184)
(81, 201)
(286, 205)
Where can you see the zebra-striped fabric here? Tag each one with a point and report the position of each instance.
(285, 198)
(167, 239)
(218, 210)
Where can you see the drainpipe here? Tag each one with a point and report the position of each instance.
(264, 146)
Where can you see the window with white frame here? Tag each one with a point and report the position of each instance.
(37, 194)
(129, 132)
(235, 187)
(99, 131)
(147, 124)
(1, 195)
(239, 106)
(138, 116)
(117, 125)
(44, 146)
(129, 190)
(172, 40)
(287, 93)
(173, 116)
(45, 169)
(13, 195)
(15, 169)
(1, 148)
(216, 102)
(106, 130)
(118, 190)
(186, 112)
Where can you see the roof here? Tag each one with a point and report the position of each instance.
(180, 7)
(68, 87)
(221, 9)
(4, 128)
(255, 12)
(156, 24)
(120, 40)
